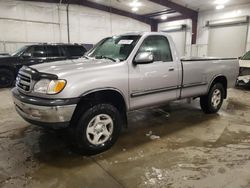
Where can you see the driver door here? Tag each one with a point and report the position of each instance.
(157, 82)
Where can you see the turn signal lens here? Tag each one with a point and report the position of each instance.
(56, 86)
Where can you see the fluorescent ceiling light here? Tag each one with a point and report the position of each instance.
(135, 9)
(164, 17)
(174, 28)
(228, 21)
(219, 2)
(135, 4)
(219, 7)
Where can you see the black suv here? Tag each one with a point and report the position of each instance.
(35, 54)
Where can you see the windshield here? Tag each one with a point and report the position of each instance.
(115, 48)
(19, 51)
(247, 56)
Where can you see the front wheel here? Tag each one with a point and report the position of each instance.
(97, 129)
(212, 102)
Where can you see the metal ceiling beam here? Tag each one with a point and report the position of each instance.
(175, 18)
(174, 6)
(186, 14)
(104, 8)
(109, 9)
(154, 14)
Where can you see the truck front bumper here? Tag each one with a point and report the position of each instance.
(54, 113)
(244, 79)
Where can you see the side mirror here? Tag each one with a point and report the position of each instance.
(144, 58)
(240, 58)
(26, 55)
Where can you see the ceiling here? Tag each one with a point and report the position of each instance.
(146, 7)
(149, 8)
(202, 5)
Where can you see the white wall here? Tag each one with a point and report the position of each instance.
(30, 22)
(25, 22)
(90, 25)
(201, 48)
(188, 23)
(203, 32)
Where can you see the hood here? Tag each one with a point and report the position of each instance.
(69, 67)
(7, 58)
(4, 55)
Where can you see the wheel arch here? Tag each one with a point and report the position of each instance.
(108, 95)
(219, 79)
(106, 91)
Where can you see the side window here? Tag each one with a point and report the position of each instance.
(76, 51)
(247, 56)
(159, 46)
(37, 51)
(54, 51)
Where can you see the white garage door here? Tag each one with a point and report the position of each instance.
(227, 41)
(179, 38)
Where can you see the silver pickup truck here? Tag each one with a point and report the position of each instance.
(92, 95)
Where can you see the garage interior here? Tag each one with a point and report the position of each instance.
(175, 145)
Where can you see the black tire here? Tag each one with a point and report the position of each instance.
(206, 101)
(79, 130)
(7, 78)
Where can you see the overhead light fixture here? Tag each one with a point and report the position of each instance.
(175, 28)
(135, 3)
(135, 9)
(219, 2)
(219, 7)
(164, 17)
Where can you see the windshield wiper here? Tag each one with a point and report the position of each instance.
(105, 57)
(87, 57)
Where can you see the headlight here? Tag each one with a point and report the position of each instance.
(49, 86)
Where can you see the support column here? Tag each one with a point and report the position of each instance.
(68, 30)
(194, 29)
(154, 26)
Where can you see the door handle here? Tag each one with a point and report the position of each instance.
(171, 69)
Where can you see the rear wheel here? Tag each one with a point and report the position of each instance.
(212, 102)
(7, 78)
(97, 129)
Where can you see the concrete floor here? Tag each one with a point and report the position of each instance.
(173, 146)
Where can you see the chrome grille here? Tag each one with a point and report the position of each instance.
(23, 81)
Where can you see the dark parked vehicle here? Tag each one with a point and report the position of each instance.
(3, 54)
(35, 54)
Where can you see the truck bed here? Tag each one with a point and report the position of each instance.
(198, 73)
